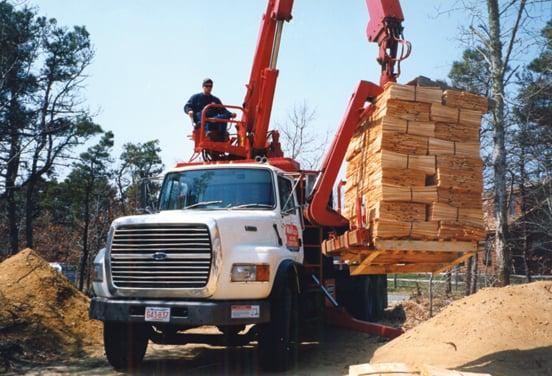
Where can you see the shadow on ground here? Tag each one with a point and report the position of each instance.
(332, 356)
(514, 363)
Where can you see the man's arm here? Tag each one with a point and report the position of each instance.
(190, 106)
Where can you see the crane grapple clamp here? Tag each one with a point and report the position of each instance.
(385, 28)
(381, 11)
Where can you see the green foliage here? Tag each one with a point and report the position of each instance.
(42, 114)
(472, 73)
(139, 164)
(543, 63)
(142, 160)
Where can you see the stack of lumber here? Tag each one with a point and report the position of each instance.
(414, 171)
(414, 166)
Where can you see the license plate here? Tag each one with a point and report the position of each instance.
(158, 314)
(245, 311)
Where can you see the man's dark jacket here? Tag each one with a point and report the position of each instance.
(197, 103)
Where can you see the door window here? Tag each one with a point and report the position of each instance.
(285, 190)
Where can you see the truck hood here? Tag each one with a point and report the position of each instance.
(197, 216)
(235, 226)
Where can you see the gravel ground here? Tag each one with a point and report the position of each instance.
(338, 350)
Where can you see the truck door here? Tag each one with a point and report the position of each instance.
(290, 226)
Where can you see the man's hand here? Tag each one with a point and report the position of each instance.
(233, 115)
(191, 115)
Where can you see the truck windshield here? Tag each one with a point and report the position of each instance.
(240, 188)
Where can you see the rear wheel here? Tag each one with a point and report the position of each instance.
(125, 344)
(279, 339)
(364, 297)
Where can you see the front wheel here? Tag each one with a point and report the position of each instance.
(125, 344)
(279, 339)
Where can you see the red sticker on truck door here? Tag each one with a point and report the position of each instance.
(292, 236)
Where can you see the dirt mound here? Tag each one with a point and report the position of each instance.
(505, 331)
(42, 315)
(410, 313)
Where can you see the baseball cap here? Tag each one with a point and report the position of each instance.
(207, 81)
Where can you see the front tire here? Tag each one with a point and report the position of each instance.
(125, 344)
(279, 339)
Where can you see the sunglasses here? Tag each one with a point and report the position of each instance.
(207, 85)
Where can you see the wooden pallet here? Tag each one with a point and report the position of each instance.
(396, 256)
(401, 369)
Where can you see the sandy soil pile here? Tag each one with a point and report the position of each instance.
(504, 331)
(42, 315)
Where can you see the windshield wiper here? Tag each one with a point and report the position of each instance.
(252, 205)
(202, 203)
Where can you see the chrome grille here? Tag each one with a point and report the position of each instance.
(160, 256)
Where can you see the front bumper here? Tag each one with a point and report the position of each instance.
(192, 313)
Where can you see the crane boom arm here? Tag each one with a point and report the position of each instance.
(384, 28)
(262, 82)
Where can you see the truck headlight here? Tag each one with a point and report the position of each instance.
(99, 262)
(250, 273)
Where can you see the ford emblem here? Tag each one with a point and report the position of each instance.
(159, 256)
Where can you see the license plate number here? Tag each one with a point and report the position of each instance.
(245, 311)
(158, 314)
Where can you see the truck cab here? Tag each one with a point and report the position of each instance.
(224, 248)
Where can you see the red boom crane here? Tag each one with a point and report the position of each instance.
(254, 140)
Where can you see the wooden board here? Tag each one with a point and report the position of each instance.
(396, 269)
(453, 230)
(416, 128)
(461, 149)
(425, 94)
(413, 111)
(398, 211)
(447, 114)
(439, 211)
(413, 245)
(462, 99)
(422, 195)
(460, 198)
(459, 172)
(404, 143)
(382, 229)
(388, 159)
(456, 132)
(400, 177)
(387, 369)
(401, 369)
(411, 257)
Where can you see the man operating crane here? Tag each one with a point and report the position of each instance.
(197, 102)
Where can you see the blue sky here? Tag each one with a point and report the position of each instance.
(151, 56)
